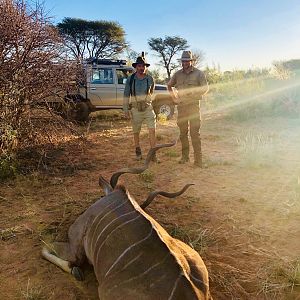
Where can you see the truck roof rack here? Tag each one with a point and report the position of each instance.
(103, 61)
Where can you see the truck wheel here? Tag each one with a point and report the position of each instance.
(165, 108)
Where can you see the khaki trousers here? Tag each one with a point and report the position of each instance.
(189, 120)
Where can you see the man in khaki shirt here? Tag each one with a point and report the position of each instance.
(191, 85)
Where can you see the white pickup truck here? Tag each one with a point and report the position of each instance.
(104, 87)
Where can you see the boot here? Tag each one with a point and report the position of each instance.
(138, 153)
(184, 159)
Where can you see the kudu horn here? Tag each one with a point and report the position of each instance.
(152, 151)
(152, 195)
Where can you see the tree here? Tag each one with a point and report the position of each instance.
(155, 73)
(131, 56)
(167, 48)
(280, 70)
(213, 75)
(292, 64)
(86, 39)
(33, 67)
(199, 57)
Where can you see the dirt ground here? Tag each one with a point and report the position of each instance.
(242, 214)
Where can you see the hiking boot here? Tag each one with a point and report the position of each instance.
(155, 159)
(138, 153)
(183, 160)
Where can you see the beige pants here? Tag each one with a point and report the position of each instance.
(139, 117)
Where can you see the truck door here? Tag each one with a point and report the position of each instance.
(122, 75)
(102, 88)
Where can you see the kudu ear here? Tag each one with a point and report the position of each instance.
(105, 185)
(152, 195)
(152, 151)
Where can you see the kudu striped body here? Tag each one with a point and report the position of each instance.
(133, 256)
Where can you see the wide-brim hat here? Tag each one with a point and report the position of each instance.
(140, 61)
(187, 56)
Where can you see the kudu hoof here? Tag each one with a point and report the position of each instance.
(77, 273)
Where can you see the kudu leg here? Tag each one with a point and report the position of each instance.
(61, 256)
(70, 255)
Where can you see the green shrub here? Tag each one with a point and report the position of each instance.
(147, 176)
(8, 167)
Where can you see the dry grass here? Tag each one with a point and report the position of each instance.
(230, 280)
(280, 277)
(216, 161)
(9, 233)
(172, 153)
(33, 292)
(257, 149)
(199, 239)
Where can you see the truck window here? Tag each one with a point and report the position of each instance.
(102, 76)
(122, 75)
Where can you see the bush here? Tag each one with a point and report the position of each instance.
(33, 67)
(252, 94)
(8, 167)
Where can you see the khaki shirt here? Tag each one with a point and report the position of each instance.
(191, 86)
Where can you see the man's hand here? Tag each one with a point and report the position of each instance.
(176, 99)
(174, 94)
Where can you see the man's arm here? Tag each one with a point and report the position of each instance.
(126, 95)
(170, 86)
(151, 89)
(171, 83)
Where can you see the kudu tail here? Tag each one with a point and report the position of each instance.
(152, 151)
(152, 195)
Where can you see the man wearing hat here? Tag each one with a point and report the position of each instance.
(191, 85)
(137, 103)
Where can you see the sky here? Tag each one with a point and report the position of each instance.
(234, 34)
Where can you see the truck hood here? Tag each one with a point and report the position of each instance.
(161, 87)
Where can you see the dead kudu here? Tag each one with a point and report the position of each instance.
(132, 255)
